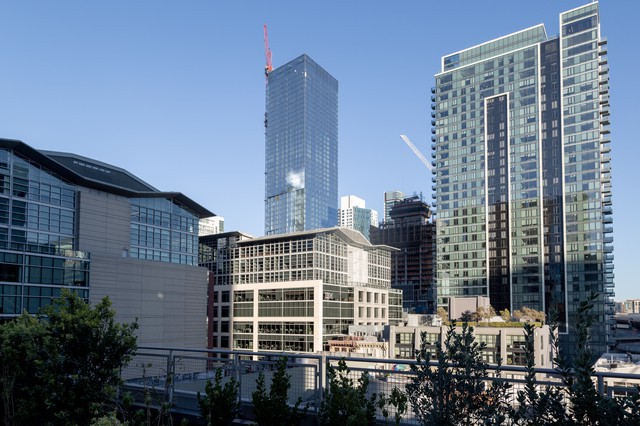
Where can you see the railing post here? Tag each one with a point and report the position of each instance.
(600, 385)
(321, 380)
(171, 378)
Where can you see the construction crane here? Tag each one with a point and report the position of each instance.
(418, 153)
(267, 53)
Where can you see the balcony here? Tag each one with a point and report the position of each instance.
(433, 179)
(433, 130)
(433, 107)
(433, 89)
(433, 188)
(434, 138)
(608, 249)
(607, 219)
(607, 230)
(433, 114)
(433, 122)
(433, 98)
(176, 376)
(433, 146)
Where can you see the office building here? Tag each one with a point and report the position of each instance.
(413, 265)
(353, 214)
(301, 150)
(214, 251)
(295, 292)
(521, 133)
(390, 198)
(71, 222)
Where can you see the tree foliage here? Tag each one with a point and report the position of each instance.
(220, 404)
(529, 314)
(346, 402)
(271, 408)
(62, 366)
(457, 390)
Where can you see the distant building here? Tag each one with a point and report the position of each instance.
(506, 343)
(523, 185)
(296, 292)
(68, 221)
(353, 214)
(390, 198)
(413, 265)
(632, 306)
(210, 226)
(301, 149)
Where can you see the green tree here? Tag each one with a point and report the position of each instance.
(220, 404)
(271, 408)
(346, 403)
(536, 405)
(71, 356)
(457, 390)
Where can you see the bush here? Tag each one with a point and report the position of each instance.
(220, 404)
(272, 408)
(346, 403)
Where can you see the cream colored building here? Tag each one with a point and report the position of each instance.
(295, 292)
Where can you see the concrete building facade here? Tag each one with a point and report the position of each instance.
(295, 292)
(77, 223)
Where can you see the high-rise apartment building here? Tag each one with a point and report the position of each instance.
(353, 214)
(301, 154)
(521, 132)
(390, 198)
(68, 221)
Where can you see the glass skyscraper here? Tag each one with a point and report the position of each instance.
(521, 138)
(301, 153)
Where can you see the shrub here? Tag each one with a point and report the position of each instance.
(272, 407)
(346, 403)
(220, 404)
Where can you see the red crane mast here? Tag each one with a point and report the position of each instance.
(267, 53)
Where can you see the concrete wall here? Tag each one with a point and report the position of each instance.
(168, 299)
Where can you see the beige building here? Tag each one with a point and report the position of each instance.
(504, 342)
(296, 292)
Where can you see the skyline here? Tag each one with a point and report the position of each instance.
(123, 82)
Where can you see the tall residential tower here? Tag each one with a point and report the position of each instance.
(521, 133)
(301, 154)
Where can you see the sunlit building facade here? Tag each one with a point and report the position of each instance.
(521, 133)
(295, 292)
(68, 221)
(301, 150)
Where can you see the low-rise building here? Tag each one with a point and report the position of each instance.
(504, 342)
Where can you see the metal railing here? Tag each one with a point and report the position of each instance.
(174, 377)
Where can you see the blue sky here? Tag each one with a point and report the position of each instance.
(173, 91)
